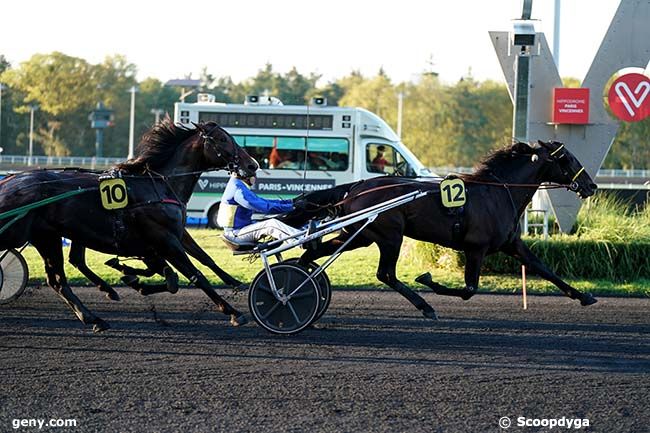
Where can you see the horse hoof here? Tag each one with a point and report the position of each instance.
(430, 314)
(587, 299)
(100, 326)
(466, 295)
(239, 320)
(172, 280)
(241, 287)
(130, 280)
(113, 263)
(112, 295)
(424, 279)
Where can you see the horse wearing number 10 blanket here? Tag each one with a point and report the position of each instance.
(150, 225)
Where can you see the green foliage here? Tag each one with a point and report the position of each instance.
(610, 242)
(444, 125)
(631, 149)
(608, 218)
(57, 82)
(354, 269)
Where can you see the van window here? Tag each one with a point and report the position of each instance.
(330, 154)
(288, 153)
(382, 158)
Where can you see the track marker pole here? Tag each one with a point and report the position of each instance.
(523, 286)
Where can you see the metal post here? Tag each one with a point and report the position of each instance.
(556, 35)
(157, 112)
(99, 142)
(132, 122)
(400, 102)
(32, 108)
(1, 89)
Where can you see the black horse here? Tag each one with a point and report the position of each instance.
(497, 194)
(171, 159)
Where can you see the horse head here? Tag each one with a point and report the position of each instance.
(563, 167)
(221, 151)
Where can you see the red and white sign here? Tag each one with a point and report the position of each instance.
(629, 97)
(571, 105)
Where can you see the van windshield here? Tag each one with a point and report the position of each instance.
(291, 153)
(385, 159)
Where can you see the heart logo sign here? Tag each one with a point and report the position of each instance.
(629, 97)
(203, 183)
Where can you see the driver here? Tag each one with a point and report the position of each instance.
(236, 210)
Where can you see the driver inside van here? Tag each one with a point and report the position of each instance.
(236, 211)
(378, 164)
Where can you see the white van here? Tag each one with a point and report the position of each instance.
(299, 148)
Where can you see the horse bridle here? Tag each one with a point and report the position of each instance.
(231, 158)
(573, 185)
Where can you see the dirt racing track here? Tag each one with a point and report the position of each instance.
(170, 363)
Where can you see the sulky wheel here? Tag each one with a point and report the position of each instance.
(293, 312)
(13, 275)
(324, 287)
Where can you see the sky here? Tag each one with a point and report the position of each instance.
(166, 39)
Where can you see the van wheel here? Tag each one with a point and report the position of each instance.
(212, 217)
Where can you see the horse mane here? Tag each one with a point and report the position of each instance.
(500, 161)
(157, 146)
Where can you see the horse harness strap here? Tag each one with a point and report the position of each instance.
(368, 191)
(516, 229)
(577, 174)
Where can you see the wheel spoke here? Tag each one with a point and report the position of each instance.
(293, 312)
(301, 295)
(265, 288)
(271, 310)
(287, 281)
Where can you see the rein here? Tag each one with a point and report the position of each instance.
(177, 200)
(479, 182)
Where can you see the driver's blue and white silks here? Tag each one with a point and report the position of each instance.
(236, 210)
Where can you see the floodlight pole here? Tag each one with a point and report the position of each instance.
(400, 103)
(556, 35)
(132, 90)
(2, 87)
(32, 109)
(157, 112)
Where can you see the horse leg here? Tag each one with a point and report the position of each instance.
(77, 258)
(50, 250)
(154, 266)
(474, 259)
(128, 270)
(194, 250)
(386, 273)
(173, 252)
(521, 252)
(328, 248)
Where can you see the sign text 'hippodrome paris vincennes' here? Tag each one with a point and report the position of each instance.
(571, 105)
(267, 186)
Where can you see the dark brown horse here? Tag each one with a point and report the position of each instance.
(171, 159)
(486, 224)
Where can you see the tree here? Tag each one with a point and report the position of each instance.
(376, 94)
(60, 85)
